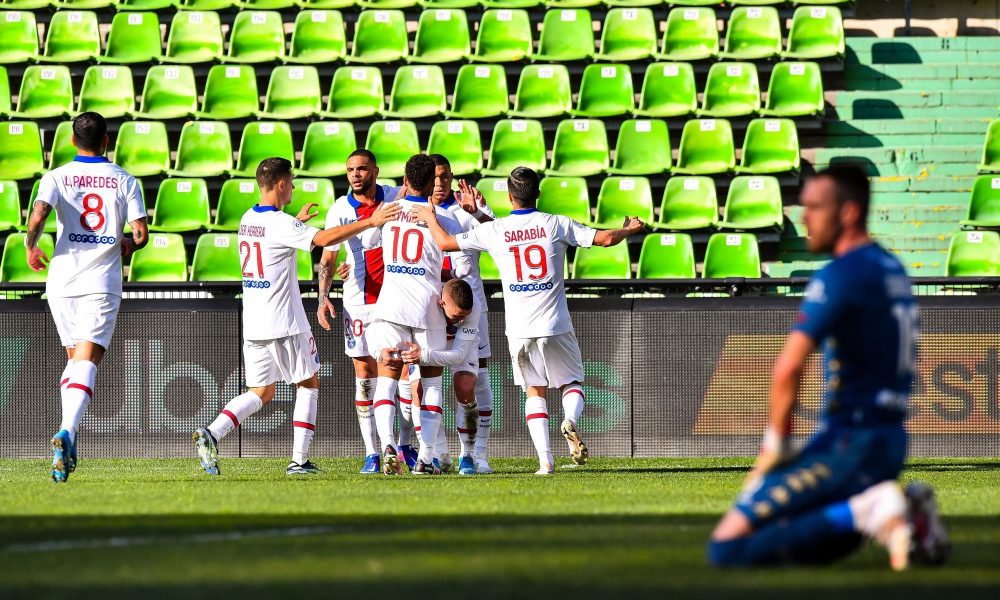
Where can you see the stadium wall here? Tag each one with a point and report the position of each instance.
(665, 377)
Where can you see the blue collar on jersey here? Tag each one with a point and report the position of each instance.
(523, 211)
(263, 209)
(90, 159)
(449, 202)
(355, 204)
(415, 198)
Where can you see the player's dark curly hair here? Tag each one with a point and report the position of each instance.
(852, 185)
(419, 173)
(460, 292)
(523, 186)
(89, 131)
(272, 170)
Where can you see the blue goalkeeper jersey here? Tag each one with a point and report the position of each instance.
(860, 310)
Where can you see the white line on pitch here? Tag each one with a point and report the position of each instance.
(199, 538)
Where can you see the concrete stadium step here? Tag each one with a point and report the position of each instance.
(910, 99)
(917, 140)
(936, 154)
(924, 184)
(936, 242)
(885, 109)
(921, 72)
(908, 126)
(952, 44)
(904, 56)
(919, 170)
(883, 83)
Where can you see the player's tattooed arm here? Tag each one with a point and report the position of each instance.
(387, 211)
(613, 237)
(37, 259)
(139, 239)
(325, 279)
(442, 238)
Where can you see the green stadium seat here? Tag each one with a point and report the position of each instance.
(504, 36)
(181, 205)
(628, 34)
(216, 258)
(27, 5)
(991, 149)
(984, 203)
(565, 196)
(622, 197)
(393, 142)
(738, 3)
(235, 199)
(386, 4)
(356, 92)
(689, 203)
(599, 262)
(442, 36)
(643, 148)
(543, 91)
(4, 92)
(666, 256)
(380, 37)
(46, 92)
(459, 141)
(771, 146)
(417, 92)
(14, 264)
(107, 89)
(72, 36)
(293, 92)
(304, 264)
(134, 38)
(732, 255)
(480, 92)
(432, 4)
(516, 142)
(326, 4)
(816, 32)
(488, 269)
(169, 93)
(580, 148)
(143, 5)
(494, 190)
(265, 4)
(732, 90)
(62, 149)
(795, 90)
(204, 150)
(605, 91)
(690, 34)
(230, 93)
(753, 203)
(510, 3)
(18, 37)
(260, 140)
(822, 2)
(195, 37)
(633, 3)
(142, 148)
(318, 37)
(318, 191)
(550, 4)
(20, 151)
(668, 90)
(974, 254)
(567, 35)
(752, 33)
(163, 259)
(326, 148)
(10, 206)
(206, 5)
(706, 148)
(257, 36)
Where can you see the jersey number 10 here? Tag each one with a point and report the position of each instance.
(407, 244)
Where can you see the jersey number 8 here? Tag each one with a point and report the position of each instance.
(93, 206)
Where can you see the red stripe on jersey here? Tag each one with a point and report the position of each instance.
(379, 403)
(232, 417)
(446, 268)
(64, 382)
(374, 266)
(80, 386)
(536, 416)
(432, 408)
(417, 429)
(486, 413)
(304, 425)
(363, 402)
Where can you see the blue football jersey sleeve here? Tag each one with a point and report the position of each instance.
(826, 301)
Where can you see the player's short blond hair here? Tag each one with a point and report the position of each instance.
(460, 293)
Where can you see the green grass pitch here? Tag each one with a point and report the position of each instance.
(622, 528)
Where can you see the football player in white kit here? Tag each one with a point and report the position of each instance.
(93, 199)
(529, 248)
(362, 285)
(278, 343)
(407, 310)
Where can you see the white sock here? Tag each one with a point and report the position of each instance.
(873, 507)
(405, 412)
(417, 429)
(484, 398)
(385, 411)
(441, 446)
(303, 423)
(76, 394)
(572, 401)
(464, 442)
(537, 416)
(430, 416)
(64, 378)
(363, 391)
(238, 409)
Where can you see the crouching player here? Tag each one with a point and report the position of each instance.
(819, 504)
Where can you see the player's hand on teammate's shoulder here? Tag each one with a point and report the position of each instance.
(387, 211)
(469, 198)
(37, 259)
(423, 212)
(306, 213)
(344, 270)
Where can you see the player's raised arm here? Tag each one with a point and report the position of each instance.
(613, 237)
(442, 238)
(472, 202)
(335, 235)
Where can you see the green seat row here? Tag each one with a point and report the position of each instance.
(216, 5)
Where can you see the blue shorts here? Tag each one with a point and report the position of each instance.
(835, 465)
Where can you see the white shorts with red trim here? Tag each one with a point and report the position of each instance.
(88, 318)
(356, 320)
(291, 359)
(551, 362)
(385, 334)
(485, 351)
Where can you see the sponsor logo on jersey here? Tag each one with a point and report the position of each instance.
(405, 270)
(530, 287)
(525, 235)
(84, 238)
(260, 284)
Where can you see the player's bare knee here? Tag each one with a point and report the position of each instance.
(465, 387)
(733, 525)
(365, 368)
(312, 383)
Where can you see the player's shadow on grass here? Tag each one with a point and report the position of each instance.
(678, 469)
(990, 465)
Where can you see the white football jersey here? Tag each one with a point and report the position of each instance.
(362, 287)
(272, 304)
(413, 264)
(94, 199)
(461, 337)
(467, 222)
(529, 248)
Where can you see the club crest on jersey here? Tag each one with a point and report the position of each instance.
(525, 235)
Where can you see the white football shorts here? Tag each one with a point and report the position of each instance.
(552, 361)
(87, 318)
(356, 320)
(385, 334)
(484, 351)
(290, 359)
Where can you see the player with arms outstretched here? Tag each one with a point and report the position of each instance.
(818, 504)
(529, 248)
(93, 199)
(278, 343)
